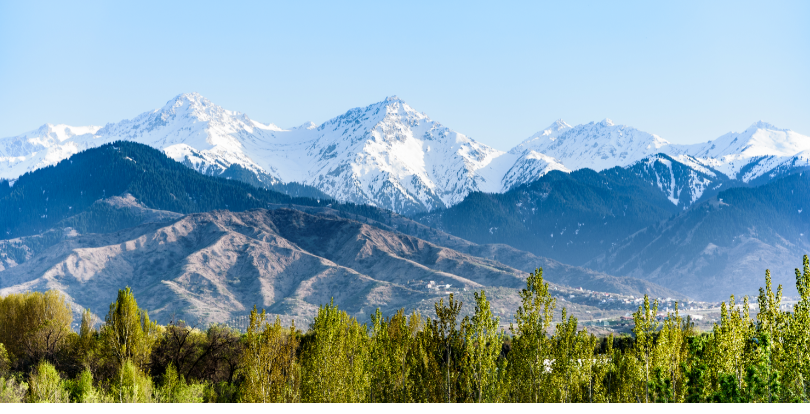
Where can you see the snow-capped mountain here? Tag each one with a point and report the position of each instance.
(683, 172)
(798, 162)
(188, 128)
(596, 145)
(386, 154)
(39, 148)
(390, 155)
(749, 154)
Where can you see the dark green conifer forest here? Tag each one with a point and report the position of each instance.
(408, 357)
(39, 200)
(67, 194)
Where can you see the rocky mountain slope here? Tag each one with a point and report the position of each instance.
(210, 267)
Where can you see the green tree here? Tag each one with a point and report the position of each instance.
(128, 334)
(133, 385)
(82, 389)
(34, 326)
(46, 385)
(450, 337)
(530, 346)
(175, 389)
(644, 330)
(796, 339)
(483, 341)
(334, 362)
(391, 341)
(5, 361)
(269, 364)
(12, 390)
(572, 359)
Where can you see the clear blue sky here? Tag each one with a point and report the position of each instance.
(498, 72)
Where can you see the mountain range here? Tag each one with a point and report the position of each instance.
(209, 212)
(207, 249)
(389, 155)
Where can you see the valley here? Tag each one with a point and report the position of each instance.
(383, 207)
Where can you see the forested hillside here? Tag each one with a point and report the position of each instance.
(714, 248)
(568, 217)
(41, 199)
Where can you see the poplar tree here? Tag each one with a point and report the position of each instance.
(482, 341)
(530, 348)
(797, 339)
(424, 361)
(269, 365)
(128, 333)
(644, 330)
(571, 358)
(391, 340)
(450, 340)
(335, 361)
(670, 356)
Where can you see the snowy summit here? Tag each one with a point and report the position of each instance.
(390, 155)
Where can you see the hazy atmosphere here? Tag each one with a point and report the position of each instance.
(686, 71)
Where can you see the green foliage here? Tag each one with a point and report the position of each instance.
(46, 385)
(175, 389)
(482, 369)
(450, 340)
(269, 365)
(82, 390)
(334, 362)
(5, 361)
(392, 339)
(12, 390)
(429, 359)
(128, 334)
(531, 345)
(33, 326)
(132, 385)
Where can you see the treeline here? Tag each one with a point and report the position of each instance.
(407, 358)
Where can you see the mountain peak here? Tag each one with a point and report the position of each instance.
(188, 97)
(765, 125)
(607, 122)
(62, 132)
(557, 126)
(306, 125)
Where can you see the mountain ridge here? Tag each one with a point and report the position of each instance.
(389, 155)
